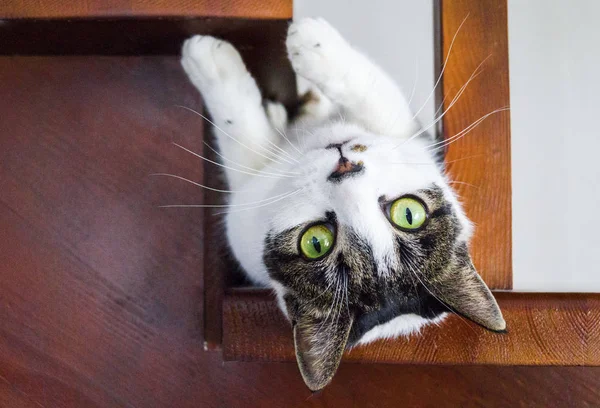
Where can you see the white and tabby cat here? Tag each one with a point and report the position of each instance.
(346, 213)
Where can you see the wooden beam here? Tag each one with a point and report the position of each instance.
(279, 9)
(543, 329)
(142, 36)
(480, 161)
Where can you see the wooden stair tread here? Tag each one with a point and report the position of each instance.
(543, 329)
(267, 9)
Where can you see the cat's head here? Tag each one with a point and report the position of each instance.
(375, 234)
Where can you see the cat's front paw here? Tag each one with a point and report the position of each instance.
(208, 60)
(316, 50)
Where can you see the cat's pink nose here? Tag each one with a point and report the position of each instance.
(344, 165)
(345, 168)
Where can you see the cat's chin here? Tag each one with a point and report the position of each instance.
(403, 325)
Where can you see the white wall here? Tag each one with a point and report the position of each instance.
(554, 66)
(397, 34)
(555, 94)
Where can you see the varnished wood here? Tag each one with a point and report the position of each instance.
(481, 159)
(543, 329)
(88, 262)
(279, 9)
(140, 36)
(261, 45)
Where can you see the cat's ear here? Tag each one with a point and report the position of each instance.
(320, 343)
(461, 288)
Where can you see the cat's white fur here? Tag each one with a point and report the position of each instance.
(401, 325)
(279, 184)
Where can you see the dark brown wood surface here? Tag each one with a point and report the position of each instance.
(543, 329)
(262, 47)
(140, 36)
(481, 158)
(281, 9)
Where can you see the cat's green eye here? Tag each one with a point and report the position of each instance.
(408, 213)
(316, 241)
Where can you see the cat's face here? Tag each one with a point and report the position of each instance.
(373, 236)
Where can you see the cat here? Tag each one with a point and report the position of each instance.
(346, 212)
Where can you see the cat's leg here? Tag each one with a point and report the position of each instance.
(242, 129)
(365, 92)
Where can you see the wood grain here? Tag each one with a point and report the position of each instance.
(543, 329)
(481, 159)
(263, 50)
(139, 36)
(281, 9)
(87, 260)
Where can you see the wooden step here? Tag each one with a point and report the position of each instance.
(278, 9)
(543, 329)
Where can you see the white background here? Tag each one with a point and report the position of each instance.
(554, 65)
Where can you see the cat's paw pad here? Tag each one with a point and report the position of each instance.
(277, 114)
(315, 49)
(208, 60)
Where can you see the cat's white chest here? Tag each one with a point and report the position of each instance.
(403, 325)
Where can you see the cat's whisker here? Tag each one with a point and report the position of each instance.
(463, 158)
(347, 296)
(411, 266)
(257, 173)
(229, 136)
(282, 134)
(296, 135)
(277, 173)
(450, 139)
(474, 75)
(233, 138)
(437, 82)
(337, 297)
(412, 94)
(414, 88)
(464, 184)
(196, 184)
(323, 324)
(441, 107)
(288, 195)
(280, 150)
(272, 149)
(333, 303)
(435, 164)
(323, 292)
(438, 299)
(340, 306)
(462, 133)
(284, 195)
(304, 132)
(419, 164)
